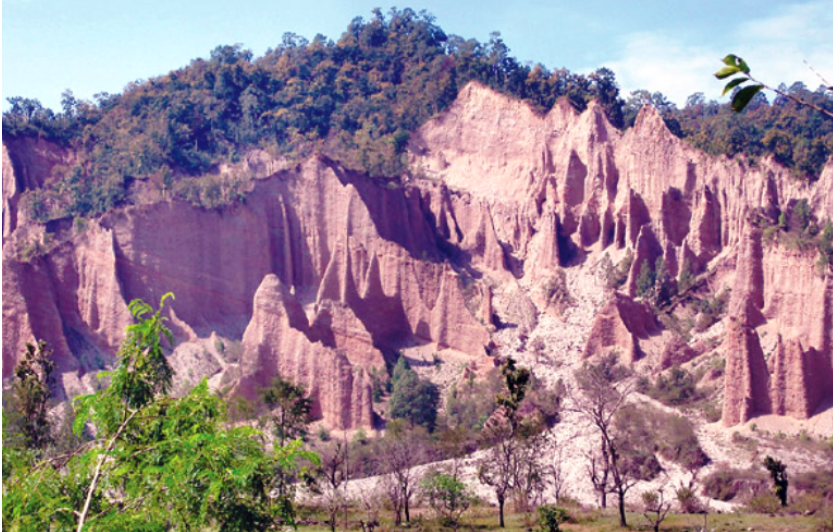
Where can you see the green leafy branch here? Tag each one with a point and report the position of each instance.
(737, 69)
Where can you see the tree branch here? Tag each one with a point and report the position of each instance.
(82, 517)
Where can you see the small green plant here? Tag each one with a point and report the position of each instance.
(448, 496)
(360, 437)
(617, 276)
(550, 518)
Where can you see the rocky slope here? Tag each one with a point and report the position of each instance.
(322, 271)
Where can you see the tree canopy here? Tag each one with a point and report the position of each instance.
(356, 99)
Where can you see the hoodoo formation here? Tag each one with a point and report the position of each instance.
(322, 271)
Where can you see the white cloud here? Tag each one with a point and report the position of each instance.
(661, 62)
(779, 45)
(775, 47)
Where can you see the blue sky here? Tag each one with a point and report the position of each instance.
(91, 46)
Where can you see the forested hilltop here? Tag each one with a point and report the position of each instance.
(356, 100)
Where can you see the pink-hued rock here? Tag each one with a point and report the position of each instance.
(795, 385)
(676, 352)
(277, 342)
(747, 378)
(27, 165)
(504, 198)
(360, 256)
(69, 297)
(619, 326)
(780, 287)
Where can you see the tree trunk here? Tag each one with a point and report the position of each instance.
(622, 521)
(407, 510)
(500, 502)
(603, 499)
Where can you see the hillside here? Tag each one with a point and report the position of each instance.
(488, 226)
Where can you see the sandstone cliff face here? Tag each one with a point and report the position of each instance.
(321, 269)
(360, 257)
(575, 181)
(782, 291)
(619, 327)
(277, 342)
(747, 395)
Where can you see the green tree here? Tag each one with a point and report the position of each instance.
(507, 465)
(413, 398)
(778, 472)
(290, 409)
(550, 517)
(655, 507)
(825, 260)
(448, 496)
(157, 462)
(32, 393)
(646, 279)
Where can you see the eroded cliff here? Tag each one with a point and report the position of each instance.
(323, 270)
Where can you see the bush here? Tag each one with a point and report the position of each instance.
(550, 517)
(825, 520)
(678, 388)
(617, 276)
(448, 496)
(712, 309)
(764, 503)
(555, 292)
(726, 483)
(670, 435)
(815, 482)
(688, 501)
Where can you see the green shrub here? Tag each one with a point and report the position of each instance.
(721, 485)
(550, 517)
(670, 435)
(712, 309)
(676, 389)
(764, 503)
(688, 501)
(617, 276)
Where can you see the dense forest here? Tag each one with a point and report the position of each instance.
(356, 100)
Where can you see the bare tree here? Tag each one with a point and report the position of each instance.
(655, 507)
(370, 502)
(534, 474)
(557, 473)
(604, 392)
(335, 473)
(393, 490)
(400, 451)
(500, 465)
(598, 469)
